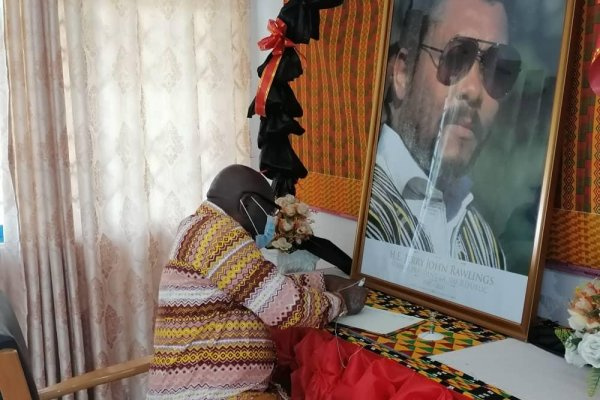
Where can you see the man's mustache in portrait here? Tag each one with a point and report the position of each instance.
(466, 116)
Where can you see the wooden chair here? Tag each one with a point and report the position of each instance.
(14, 386)
(16, 381)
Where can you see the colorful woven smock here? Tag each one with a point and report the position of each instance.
(217, 297)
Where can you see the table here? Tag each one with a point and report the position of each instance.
(393, 366)
(458, 334)
(525, 370)
(324, 367)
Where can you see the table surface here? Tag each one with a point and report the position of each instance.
(458, 334)
(469, 359)
(407, 349)
(521, 368)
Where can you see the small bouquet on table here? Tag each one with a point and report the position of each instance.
(292, 230)
(582, 343)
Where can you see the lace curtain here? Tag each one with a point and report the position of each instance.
(126, 111)
(11, 264)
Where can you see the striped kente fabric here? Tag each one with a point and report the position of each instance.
(217, 298)
(336, 92)
(390, 220)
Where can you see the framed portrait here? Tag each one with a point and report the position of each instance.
(461, 153)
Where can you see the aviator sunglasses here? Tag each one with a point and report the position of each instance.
(500, 63)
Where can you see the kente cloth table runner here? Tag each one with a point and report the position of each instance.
(445, 375)
(407, 349)
(458, 334)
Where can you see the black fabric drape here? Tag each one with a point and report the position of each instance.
(278, 160)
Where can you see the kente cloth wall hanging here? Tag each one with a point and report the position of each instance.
(338, 96)
(575, 234)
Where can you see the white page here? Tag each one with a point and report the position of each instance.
(522, 369)
(378, 321)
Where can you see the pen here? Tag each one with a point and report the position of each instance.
(359, 284)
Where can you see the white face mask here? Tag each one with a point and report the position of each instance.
(265, 238)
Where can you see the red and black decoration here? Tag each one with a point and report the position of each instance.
(275, 102)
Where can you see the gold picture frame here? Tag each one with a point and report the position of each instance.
(482, 259)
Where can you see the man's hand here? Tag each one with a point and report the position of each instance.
(354, 296)
(334, 283)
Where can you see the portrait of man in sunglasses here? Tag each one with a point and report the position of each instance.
(436, 122)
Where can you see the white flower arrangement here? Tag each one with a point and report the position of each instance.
(582, 343)
(293, 224)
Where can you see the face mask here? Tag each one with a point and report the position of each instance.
(269, 234)
(265, 238)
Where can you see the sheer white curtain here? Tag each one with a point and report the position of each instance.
(156, 100)
(40, 169)
(11, 263)
(122, 113)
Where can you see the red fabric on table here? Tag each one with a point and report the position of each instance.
(313, 358)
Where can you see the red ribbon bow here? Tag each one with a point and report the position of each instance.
(278, 42)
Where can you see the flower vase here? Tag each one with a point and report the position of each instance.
(296, 261)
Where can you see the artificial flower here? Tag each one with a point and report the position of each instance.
(582, 342)
(577, 321)
(281, 244)
(284, 200)
(589, 349)
(584, 304)
(589, 289)
(572, 356)
(302, 209)
(285, 225)
(289, 210)
(293, 226)
(304, 230)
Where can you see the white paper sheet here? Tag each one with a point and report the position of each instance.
(378, 321)
(522, 369)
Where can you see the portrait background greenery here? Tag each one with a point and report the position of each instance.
(509, 172)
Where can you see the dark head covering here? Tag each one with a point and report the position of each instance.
(238, 182)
